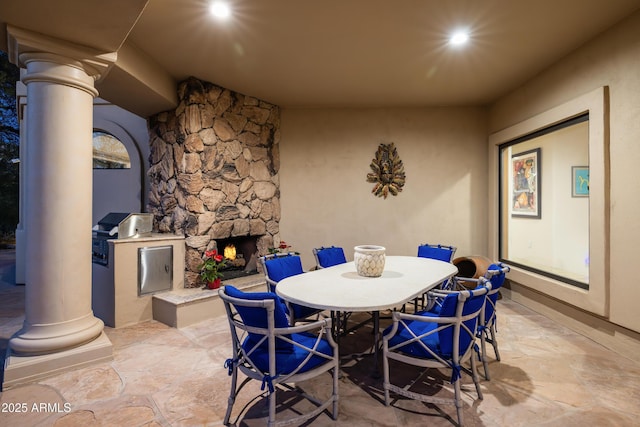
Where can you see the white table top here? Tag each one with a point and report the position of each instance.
(340, 288)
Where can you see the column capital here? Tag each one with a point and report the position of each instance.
(25, 45)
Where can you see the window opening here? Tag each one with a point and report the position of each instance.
(544, 202)
(109, 152)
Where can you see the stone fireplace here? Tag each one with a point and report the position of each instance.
(213, 173)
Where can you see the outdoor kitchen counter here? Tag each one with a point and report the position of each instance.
(116, 295)
(150, 237)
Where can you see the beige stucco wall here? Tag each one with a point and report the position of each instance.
(611, 60)
(325, 156)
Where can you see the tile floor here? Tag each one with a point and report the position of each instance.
(161, 376)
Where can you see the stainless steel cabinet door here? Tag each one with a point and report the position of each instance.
(155, 269)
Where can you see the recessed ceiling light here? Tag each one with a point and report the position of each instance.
(220, 9)
(459, 38)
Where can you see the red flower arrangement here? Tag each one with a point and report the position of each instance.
(282, 248)
(209, 269)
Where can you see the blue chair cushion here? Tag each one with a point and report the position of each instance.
(282, 267)
(257, 316)
(288, 361)
(415, 349)
(496, 283)
(497, 280)
(450, 309)
(442, 341)
(328, 257)
(435, 252)
(471, 305)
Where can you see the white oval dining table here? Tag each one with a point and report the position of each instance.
(340, 288)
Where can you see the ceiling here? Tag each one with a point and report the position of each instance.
(330, 53)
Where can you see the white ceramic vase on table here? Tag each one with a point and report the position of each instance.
(369, 260)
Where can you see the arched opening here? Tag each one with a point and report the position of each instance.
(109, 152)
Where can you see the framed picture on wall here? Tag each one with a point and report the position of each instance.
(525, 194)
(579, 181)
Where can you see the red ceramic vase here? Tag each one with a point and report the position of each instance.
(215, 284)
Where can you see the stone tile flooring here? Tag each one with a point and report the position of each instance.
(161, 376)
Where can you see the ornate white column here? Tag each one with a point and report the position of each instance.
(57, 216)
(58, 220)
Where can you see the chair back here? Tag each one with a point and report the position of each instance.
(465, 307)
(280, 266)
(327, 257)
(267, 344)
(260, 314)
(439, 252)
(430, 340)
(448, 334)
(496, 273)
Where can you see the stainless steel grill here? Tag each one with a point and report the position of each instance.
(118, 225)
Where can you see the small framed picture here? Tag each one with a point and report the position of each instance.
(579, 181)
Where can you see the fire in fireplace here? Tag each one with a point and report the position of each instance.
(230, 252)
(241, 254)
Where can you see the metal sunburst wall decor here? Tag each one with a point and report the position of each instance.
(388, 171)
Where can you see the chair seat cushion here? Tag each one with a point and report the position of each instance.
(288, 360)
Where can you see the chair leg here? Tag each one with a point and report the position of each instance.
(494, 341)
(232, 395)
(476, 377)
(385, 376)
(458, 401)
(483, 354)
(335, 393)
(272, 409)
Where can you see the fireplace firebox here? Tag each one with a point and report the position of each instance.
(241, 255)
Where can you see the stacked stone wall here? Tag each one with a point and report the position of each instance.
(213, 171)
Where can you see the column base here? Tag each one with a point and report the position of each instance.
(40, 339)
(26, 369)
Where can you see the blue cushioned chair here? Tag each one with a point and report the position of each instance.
(496, 273)
(267, 349)
(328, 257)
(441, 253)
(444, 340)
(280, 266)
